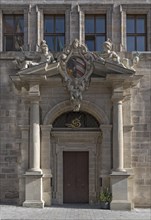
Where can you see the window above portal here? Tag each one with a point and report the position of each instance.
(54, 31)
(95, 24)
(75, 120)
(95, 31)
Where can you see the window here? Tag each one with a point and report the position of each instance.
(13, 30)
(54, 31)
(75, 120)
(136, 32)
(95, 31)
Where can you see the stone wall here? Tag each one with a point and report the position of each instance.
(14, 111)
(141, 135)
(9, 146)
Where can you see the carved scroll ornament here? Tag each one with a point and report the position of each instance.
(76, 67)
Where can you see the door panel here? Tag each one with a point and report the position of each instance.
(75, 177)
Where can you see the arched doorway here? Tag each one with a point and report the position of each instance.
(75, 153)
(75, 167)
(76, 137)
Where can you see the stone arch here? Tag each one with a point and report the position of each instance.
(65, 106)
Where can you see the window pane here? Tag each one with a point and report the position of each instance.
(140, 43)
(59, 43)
(60, 24)
(130, 25)
(9, 24)
(99, 43)
(100, 25)
(51, 42)
(19, 24)
(89, 25)
(19, 41)
(9, 43)
(49, 24)
(140, 25)
(90, 44)
(130, 43)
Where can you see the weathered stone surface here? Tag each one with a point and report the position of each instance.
(15, 106)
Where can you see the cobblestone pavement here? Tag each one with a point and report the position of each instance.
(71, 212)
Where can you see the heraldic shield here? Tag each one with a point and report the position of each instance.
(76, 67)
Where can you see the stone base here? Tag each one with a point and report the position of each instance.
(33, 190)
(33, 204)
(120, 184)
(120, 205)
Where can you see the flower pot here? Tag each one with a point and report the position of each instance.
(104, 205)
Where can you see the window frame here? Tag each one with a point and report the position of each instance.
(13, 10)
(12, 34)
(95, 34)
(135, 9)
(54, 34)
(135, 34)
(95, 9)
(48, 9)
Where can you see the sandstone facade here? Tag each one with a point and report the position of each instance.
(34, 100)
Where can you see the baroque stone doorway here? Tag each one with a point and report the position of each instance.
(67, 131)
(75, 142)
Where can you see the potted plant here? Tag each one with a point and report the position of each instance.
(105, 198)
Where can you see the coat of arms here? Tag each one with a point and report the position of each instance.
(76, 67)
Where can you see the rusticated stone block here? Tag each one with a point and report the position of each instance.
(9, 146)
(2, 176)
(11, 159)
(12, 195)
(8, 170)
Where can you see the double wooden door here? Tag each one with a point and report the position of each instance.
(75, 177)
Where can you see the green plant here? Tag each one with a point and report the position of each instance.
(105, 195)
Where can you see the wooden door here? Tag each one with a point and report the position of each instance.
(75, 177)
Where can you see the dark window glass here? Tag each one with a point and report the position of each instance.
(59, 25)
(13, 29)
(89, 24)
(50, 41)
(9, 43)
(136, 33)
(130, 26)
(95, 31)
(90, 44)
(130, 43)
(141, 43)
(100, 24)
(49, 24)
(76, 120)
(60, 43)
(140, 25)
(54, 31)
(99, 42)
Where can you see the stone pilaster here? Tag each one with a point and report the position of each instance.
(25, 161)
(117, 131)
(1, 30)
(120, 179)
(34, 136)
(33, 177)
(46, 163)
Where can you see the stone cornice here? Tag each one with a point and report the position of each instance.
(47, 7)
